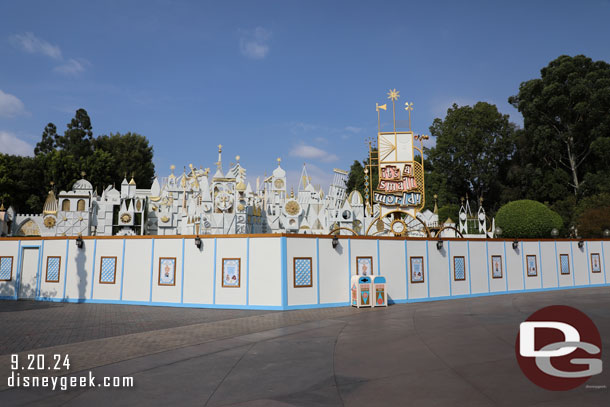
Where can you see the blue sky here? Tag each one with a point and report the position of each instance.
(293, 79)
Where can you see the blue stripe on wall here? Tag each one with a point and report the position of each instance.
(406, 272)
(557, 265)
(523, 264)
(505, 268)
(487, 260)
(469, 279)
(572, 261)
(214, 290)
(449, 265)
(349, 268)
(318, 268)
(588, 258)
(247, 271)
(18, 271)
(604, 261)
(427, 267)
(152, 266)
(182, 278)
(93, 267)
(66, 267)
(122, 269)
(541, 269)
(284, 271)
(39, 271)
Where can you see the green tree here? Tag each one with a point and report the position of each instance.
(131, 154)
(355, 178)
(527, 219)
(78, 137)
(565, 112)
(474, 146)
(49, 140)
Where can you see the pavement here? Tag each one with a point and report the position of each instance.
(456, 353)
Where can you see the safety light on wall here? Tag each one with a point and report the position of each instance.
(515, 244)
(335, 242)
(198, 242)
(79, 242)
(581, 243)
(439, 245)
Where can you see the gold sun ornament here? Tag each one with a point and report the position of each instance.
(393, 94)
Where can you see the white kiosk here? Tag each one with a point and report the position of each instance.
(362, 287)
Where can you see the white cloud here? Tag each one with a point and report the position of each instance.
(353, 129)
(72, 67)
(254, 43)
(10, 105)
(28, 42)
(313, 153)
(10, 144)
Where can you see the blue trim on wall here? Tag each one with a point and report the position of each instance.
(214, 285)
(406, 272)
(66, 268)
(349, 268)
(247, 271)
(122, 269)
(573, 269)
(588, 259)
(541, 269)
(39, 271)
(487, 260)
(523, 265)
(505, 269)
(284, 271)
(152, 267)
(604, 261)
(469, 279)
(557, 265)
(93, 267)
(318, 268)
(449, 265)
(182, 278)
(18, 271)
(427, 267)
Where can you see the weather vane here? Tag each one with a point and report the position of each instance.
(409, 108)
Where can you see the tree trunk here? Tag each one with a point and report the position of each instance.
(573, 167)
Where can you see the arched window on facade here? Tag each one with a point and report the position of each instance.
(80, 205)
(65, 205)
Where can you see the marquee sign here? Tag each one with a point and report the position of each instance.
(401, 172)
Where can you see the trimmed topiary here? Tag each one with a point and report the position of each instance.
(527, 219)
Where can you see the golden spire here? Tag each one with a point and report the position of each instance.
(409, 109)
(279, 160)
(292, 192)
(393, 95)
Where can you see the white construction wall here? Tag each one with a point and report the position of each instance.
(286, 271)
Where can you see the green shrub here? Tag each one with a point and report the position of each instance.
(527, 219)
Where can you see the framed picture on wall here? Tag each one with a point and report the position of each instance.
(167, 271)
(417, 269)
(532, 268)
(459, 268)
(231, 273)
(107, 270)
(302, 272)
(6, 268)
(596, 266)
(564, 263)
(496, 266)
(53, 267)
(364, 266)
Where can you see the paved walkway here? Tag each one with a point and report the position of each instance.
(458, 352)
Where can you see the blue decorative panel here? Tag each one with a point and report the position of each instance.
(108, 270)
(6, 268)
(459, 268)
(302, 272)
(564, 261)
(53, 269)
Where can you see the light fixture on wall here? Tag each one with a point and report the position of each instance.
(198, 242)
(335, 242)
(581, 243)
(79, 242)
(554, 232)
(515, 244)
(439, 245)
(606, 233)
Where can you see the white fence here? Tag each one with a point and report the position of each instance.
(287, 271)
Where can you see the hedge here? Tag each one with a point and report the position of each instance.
(527, 219)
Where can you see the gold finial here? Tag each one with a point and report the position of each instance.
(220, 148)
(237, 158)
(2, 206)
(279, 160)
(393, 94)
(292, 192)
(409, 109)
(83, 173)
(52, 183)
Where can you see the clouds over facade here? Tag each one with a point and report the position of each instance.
(305, 151)
(10, 105)
(254, 44)
(31, 44)
(11, 144)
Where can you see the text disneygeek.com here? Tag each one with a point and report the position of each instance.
(65, 382)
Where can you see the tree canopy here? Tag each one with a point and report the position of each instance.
(25, 181)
